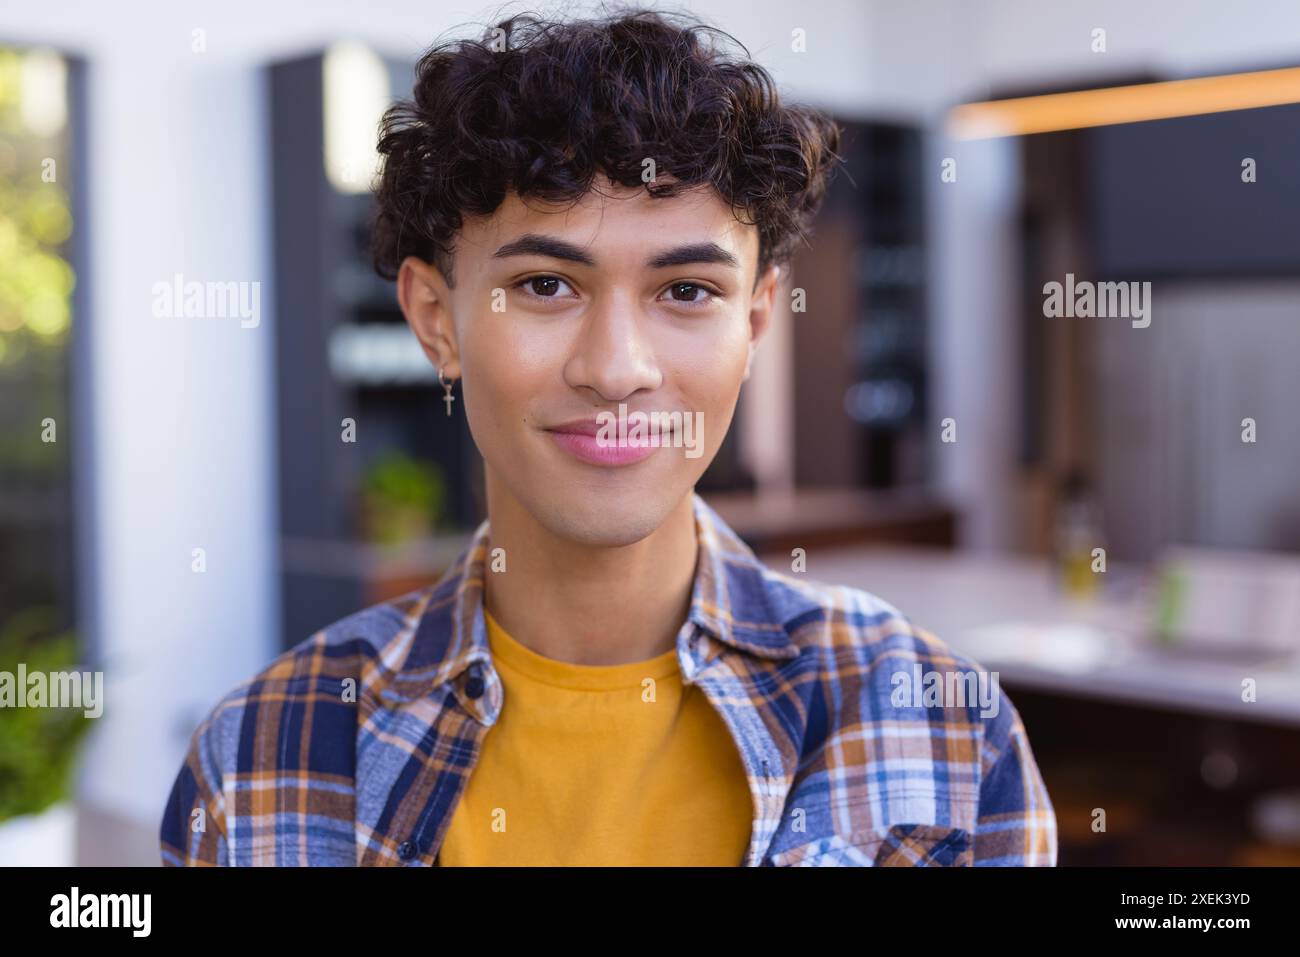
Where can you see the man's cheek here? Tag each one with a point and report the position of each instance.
(704, 425)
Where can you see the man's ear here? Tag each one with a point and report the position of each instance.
(760, 311)
(426, 303)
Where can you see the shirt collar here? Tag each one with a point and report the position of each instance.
(445, 641)
(731, 599)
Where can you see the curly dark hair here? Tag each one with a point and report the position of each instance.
(541, 106)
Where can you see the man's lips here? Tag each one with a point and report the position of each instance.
(578, 437)
(577, 427)
(592, 427)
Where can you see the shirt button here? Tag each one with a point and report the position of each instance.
(406, 850)
(474, 686)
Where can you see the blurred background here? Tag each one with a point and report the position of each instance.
(1078, 503)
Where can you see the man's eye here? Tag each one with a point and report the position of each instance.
(544, 287)
(689, 293)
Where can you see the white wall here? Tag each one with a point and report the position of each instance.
(974, 359)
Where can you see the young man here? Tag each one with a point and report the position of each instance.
(587, 220)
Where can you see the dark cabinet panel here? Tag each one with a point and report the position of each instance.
(1169, 199)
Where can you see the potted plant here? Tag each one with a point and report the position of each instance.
(402, 499)
(39, 747)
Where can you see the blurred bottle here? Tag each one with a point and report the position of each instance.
(1078, 535)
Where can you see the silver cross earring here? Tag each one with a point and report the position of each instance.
(446, 388)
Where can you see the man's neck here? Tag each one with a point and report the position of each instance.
(585, 604)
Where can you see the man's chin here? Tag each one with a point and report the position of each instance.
(607, 519)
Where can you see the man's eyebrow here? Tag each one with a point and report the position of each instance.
(693, 253)
(536, 244)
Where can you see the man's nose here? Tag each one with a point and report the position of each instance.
(613, 354)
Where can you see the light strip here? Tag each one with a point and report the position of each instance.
(1125, 104)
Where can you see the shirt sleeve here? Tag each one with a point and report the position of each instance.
(1017, 822)
(193, 831)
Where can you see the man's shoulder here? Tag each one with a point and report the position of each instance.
(292, 729)
(892, 668)
(313, 686)
(878, 689)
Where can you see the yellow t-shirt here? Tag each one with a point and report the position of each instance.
(604, 765)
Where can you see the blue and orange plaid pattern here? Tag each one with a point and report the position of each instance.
(353, 747)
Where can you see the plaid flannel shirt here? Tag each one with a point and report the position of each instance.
(353, 747)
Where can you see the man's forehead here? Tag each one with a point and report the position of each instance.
(696, 214)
